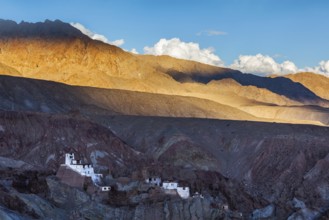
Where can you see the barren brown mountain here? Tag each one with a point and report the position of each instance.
(58, 52)
(317, 83)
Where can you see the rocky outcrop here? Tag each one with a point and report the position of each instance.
(70, 177)
(14, 164)
(65, 202)
(7, 214)
(81, 205)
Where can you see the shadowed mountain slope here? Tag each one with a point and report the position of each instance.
(41, 140)
(48, 29)
(250, 168)
(21, 94)
(278, 85)
(277, 161)
(222, 139)
(317, 83)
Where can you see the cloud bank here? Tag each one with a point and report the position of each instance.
(322, 68)
(189, 51)
(259, 64)
(95, 36)
(262, 65)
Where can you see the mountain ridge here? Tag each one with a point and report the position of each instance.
(52, 97)
(315, 82)
(47, 29)
(75, 59)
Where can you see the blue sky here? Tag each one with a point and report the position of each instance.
(295, 30)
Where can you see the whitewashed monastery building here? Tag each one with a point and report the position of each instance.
(170, 187)
(84, 170)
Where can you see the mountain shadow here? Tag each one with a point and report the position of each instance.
(48, 29)
(279, 85)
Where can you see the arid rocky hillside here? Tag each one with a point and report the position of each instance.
(50, 136)
(319, 84)
(263, 168)
(51, 97)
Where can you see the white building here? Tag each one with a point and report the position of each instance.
(76, 165)
(183, 192)
(84, 170)
(105, 188)
(156, 181)
(198, 195)
(169, 185)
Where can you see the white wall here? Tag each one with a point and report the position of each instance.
(105, 188)
(169, 185)
(154, 181)
(69, 158)
(84, 170)
(183, 192)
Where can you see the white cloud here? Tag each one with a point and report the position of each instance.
(95, 36)
(288, 67)
(134, 51)
(211, 33)
(323, 68)
(262, 65)
(117, 43)
(190, 51)
(258, 64)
